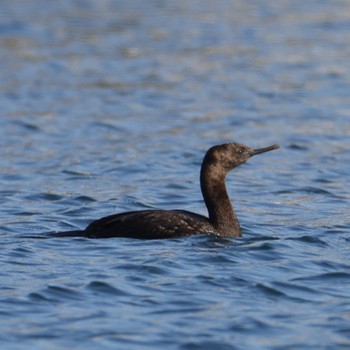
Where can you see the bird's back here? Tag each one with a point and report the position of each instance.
(150, 224)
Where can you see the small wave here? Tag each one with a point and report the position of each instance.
(84, 199)
(45, 196)
(308, 239)
(269, 291)
(61, 293)
(334, 276)
(105, 288)
(297, 147)
(316, 190)
(38, 297)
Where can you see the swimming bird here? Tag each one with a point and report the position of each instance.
(156, 224)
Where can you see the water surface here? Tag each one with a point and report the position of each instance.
(109, 106)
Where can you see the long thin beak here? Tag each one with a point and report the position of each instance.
(263, 150)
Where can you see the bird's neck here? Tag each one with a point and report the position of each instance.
(221, 213)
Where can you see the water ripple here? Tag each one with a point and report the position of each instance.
(58, 293)
(334, 277)
(105, 288)
(109, 106)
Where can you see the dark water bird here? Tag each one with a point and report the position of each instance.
(157, 224)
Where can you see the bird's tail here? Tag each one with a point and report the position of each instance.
(75, 233)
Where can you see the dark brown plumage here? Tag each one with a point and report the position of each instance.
(156, 224)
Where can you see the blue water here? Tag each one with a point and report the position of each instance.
(109, 106)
